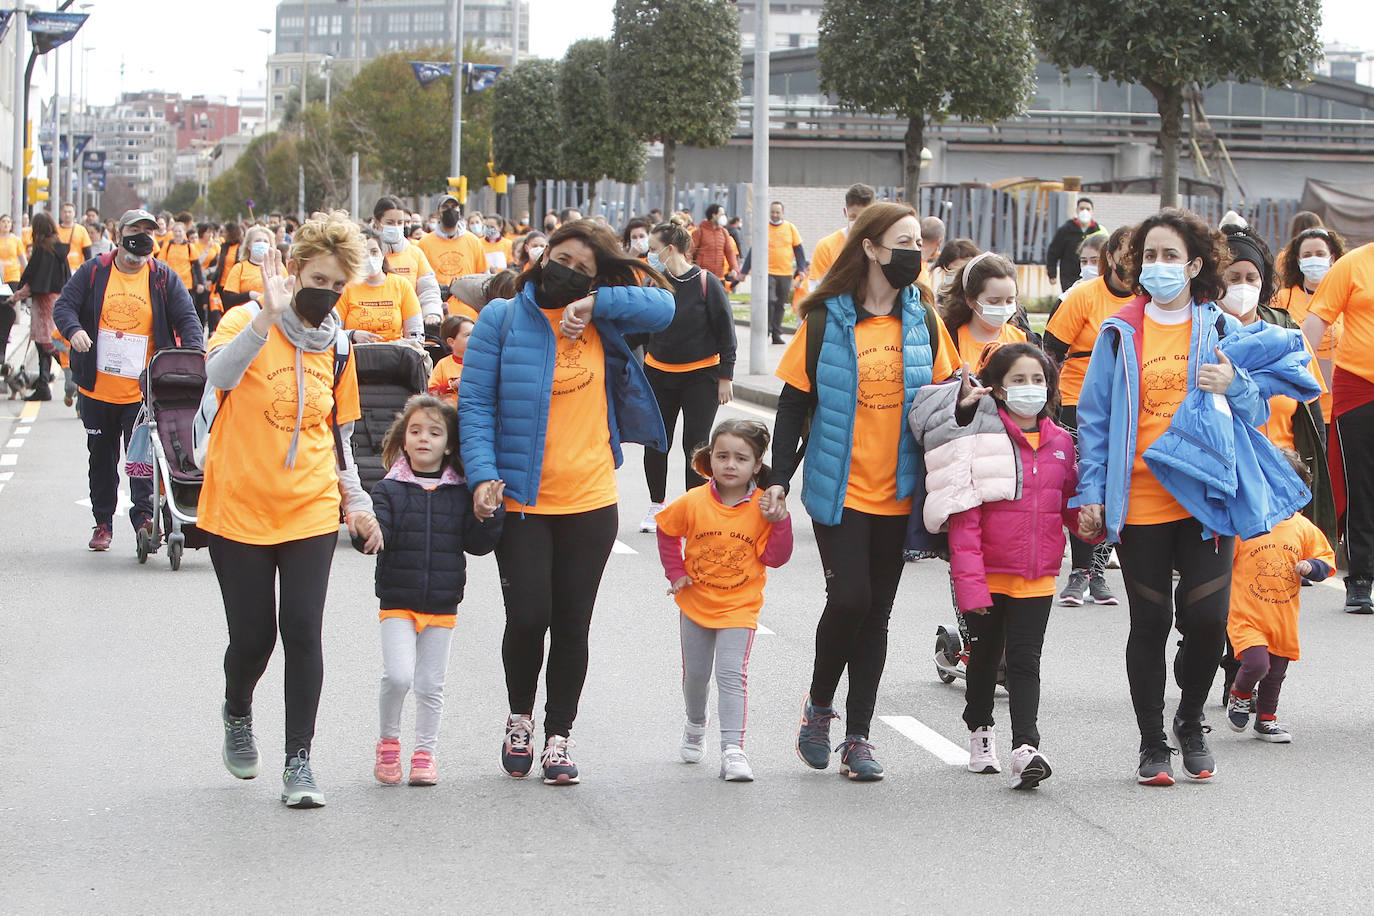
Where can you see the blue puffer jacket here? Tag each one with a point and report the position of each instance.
(1224, 471)
(1109, 406)
(825, 474)
(503, 399)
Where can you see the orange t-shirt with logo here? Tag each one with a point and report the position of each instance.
(179, 258)
(782, 261)
(1347, 291)
(723, 556)
(1076, 323)
(878, 418)
(1163, 386)
(410, 264)
(971, 351)
(577, 473)
(124, 340)
(497, 255)
(443, 379)
(381, 309)
(1278, 429)
(1266, 587)
(249, 494)
(456, 257)
(77, 239)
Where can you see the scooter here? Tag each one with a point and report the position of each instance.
(952, 651)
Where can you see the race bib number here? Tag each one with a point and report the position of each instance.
(120, 353)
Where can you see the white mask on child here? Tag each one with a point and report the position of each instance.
(1026, 400)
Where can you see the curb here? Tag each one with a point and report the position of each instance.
(762, 397)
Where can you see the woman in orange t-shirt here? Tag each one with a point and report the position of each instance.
(861, 467)
(278, 470)
(13, 261)
(1302, 266)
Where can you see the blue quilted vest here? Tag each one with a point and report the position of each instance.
(825, 473)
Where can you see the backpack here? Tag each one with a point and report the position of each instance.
(214, 398)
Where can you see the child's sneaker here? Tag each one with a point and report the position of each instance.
(648, 523)
(388, 768)
(517, 757)
(693, 742)
(856, 759)
(1238, 710)
(1029, 768)
(423, 770)
(734, 765)
(1271, 731)
(559, 770)
(982, 751)
(1072, 595)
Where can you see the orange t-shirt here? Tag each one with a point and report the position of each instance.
(1266, 588)
(971, 351)
(1279, 427)
(723, 554)
(410, 264)
(249, 495)
(124, 341)
(245, 277)
(77, 239)
(1347, 291)
(456, 257)
(1163, 385)
(577, 473)
(782, 262)
(496, 255)
(179, 258)
(878, 419)
(1296, 301)
(381, 309)
(459, 307)
(421, 620)
(443, 379)
(1076, 322)
(10, 251)
(708, 362)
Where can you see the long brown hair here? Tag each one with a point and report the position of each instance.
(393, 445)
(969, 283)
(849, 273)
(613, 266)
(44, 231)
(751, 431)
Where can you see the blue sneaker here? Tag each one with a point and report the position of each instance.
(1271, 731)
(1238, 711)
(813, 740)
(856, 759)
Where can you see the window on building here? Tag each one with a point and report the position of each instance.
(320, 25)
(277, 75)
(430, 22)
(336, 25)
(398, 22)
(295, 74)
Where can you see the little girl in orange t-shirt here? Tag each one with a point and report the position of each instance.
(733, 531)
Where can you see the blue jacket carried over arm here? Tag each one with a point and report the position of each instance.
(503, 399)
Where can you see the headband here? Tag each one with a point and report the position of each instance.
(968, 268)
(1244, 248)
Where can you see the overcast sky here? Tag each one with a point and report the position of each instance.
(197, 48)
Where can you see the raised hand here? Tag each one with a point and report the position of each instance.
(970, 394)
(276, 289)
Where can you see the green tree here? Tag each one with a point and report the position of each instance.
(526, 116)
(1169, 45)
(314, 92)
(595, 144)
(181, 197)
(675, 69)
(926, 62)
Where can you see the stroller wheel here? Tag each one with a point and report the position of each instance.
(143, 545)
(175, 544)
(947, 649)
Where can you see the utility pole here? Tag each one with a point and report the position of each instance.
(455, 154)
(55, 171)
(758, 281)
(20, 28)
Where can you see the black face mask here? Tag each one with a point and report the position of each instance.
(140, 246)
(1122, 273)
(904, 267)
(448, 218)
(562, 285)
(314, 303)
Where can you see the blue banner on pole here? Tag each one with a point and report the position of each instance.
(51, 30)
(429, 71)
(479, 76)
(93, 159)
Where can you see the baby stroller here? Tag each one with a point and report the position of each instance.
(388, 374)
(172, 389)
(14, 364)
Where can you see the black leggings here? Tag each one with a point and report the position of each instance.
(696, 396)
(1149, 555)
(862, 560)
(1018, 626)
(7, 318)
(248, 576)
(551, 568)
(1356, 428)
(1082, 554)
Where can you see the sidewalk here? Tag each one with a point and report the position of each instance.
(762, 389)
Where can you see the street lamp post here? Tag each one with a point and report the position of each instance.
(20, 29)
(267, 78)
(455, 155)
(327, 69)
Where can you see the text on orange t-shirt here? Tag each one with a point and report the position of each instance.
(381, 309)
(124, 340)
(1266, 587)
(1163, 385)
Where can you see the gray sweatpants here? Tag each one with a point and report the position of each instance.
(726, 650)
(418, 659)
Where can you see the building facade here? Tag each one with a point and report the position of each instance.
(362, 31)
(794, 24)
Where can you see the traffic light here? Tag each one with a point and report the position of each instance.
(28, 161)
(38, 190)
(494, 181)
(458, 187)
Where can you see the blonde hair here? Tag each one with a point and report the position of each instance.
(255, 231)
(335, 234)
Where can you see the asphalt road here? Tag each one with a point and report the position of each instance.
(114, 799)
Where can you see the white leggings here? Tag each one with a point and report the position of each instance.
(414, 658)
(727, 650)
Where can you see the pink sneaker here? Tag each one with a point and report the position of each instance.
(423, 771)
(388, 769)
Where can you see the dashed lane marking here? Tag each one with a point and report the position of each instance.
(928, 738)
(16, 443)
(621, 547)
(6, 476)
(23, 430)
(8, 460)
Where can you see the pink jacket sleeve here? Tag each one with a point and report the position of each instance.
(670, 554)
(966, 560)
(778, 550)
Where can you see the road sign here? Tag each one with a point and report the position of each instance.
(93, 159)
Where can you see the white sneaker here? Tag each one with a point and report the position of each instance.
(693, 742)
(648, 524)
(734, 765)
(982, 751)
(1029, 768)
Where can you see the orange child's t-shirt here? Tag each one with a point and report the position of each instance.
(878, 418)
(577, 473)
(1347, 291)
(971, 351)
(249, 494)
(1076, 322)
(1163, 386)
(723, 555)
(443, 379)
(382, 309)
(124, 340)
(1266, 587)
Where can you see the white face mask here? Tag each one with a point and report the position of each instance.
(1240, 299)
(536, 252)
(374, 265)
(721, 220)
(639, 245)
(1314, 268)
(1089, 271)
(1085, 217)
(477, 228)
(1026, 400)
(391, 235)
(997, 314)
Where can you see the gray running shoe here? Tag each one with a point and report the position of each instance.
(240, 750)
(1072, 595)
(298, 788)
(1100, 592)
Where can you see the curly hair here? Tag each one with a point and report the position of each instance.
(1291, 274)
(336, 234)
(1201, 241)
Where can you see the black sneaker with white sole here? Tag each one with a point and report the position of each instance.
(1198, 762)
(559, 770)
(1156, 765)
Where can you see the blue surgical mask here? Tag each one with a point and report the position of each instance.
(1163, 281)
(1314, 268)
(392, 235)
(257, 251)
(655, 261)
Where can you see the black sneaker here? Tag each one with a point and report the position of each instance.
(813, 738)
(298, 789)
(1198, 762)
(1156, 765)
(559, 770)
(1357, 597)
(240, 750)
(517, 757)
(856, 759)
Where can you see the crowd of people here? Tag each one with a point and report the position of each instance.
(1193, 402)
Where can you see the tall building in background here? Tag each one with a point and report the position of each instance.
(794, 24)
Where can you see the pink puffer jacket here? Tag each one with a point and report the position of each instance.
(1022, 536)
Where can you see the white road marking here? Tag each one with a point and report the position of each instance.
(621, 547)
(8, 460)
(6, 476)
(23, 430)
(764, 631)
(122, 503)
(16, 443)
(928, 738)
(27, 419)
